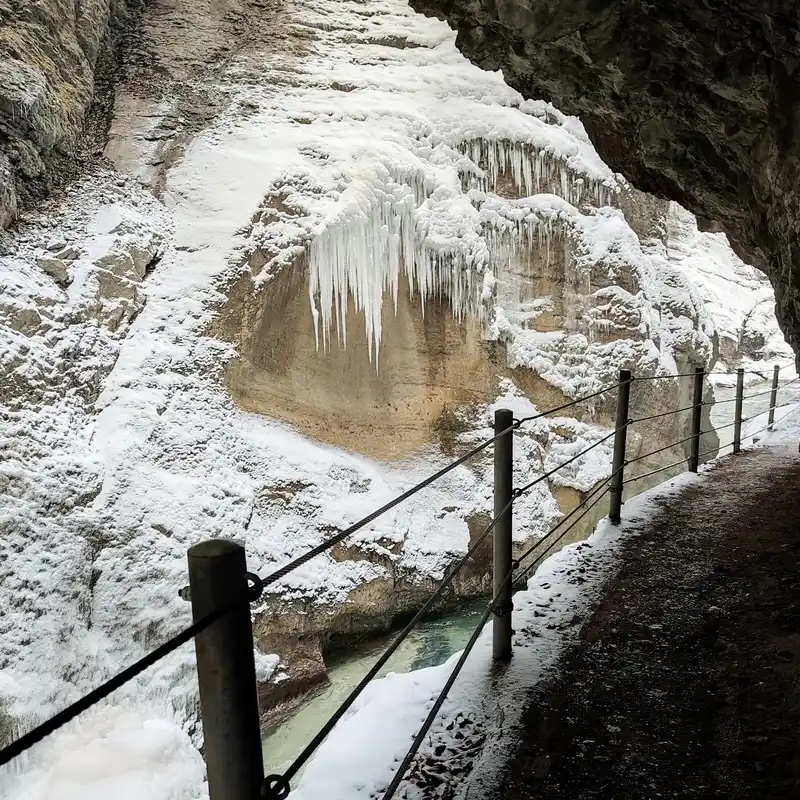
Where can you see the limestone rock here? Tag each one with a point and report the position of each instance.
(47, 81)
(693, 101)
(55, 268)
(67, 253)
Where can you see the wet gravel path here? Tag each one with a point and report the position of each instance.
(686, 681)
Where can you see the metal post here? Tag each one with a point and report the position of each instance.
(620, 440)
(773, 397)
(503, 488)
(697, 419)
(226, 671)
(737, 414)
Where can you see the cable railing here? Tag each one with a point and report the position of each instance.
(221, 591)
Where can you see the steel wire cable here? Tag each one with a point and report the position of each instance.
(66, 715)
(774, 424)
(419, 738)
(369, 676)
(666, 413)
(602, 486)
(654, 472)
(760, 394)
(35, 735)
(397, 779)
(665, 377)
(723, 427)
(530, 566)
(709, 452)
(567, 530)
(660, 449)
(570, 404)
(770, 390)
(115, 682)
(686, 375)
(283, 571)
(429, 720)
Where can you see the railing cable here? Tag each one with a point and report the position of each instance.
(603, 489)
(326, 729)
(60, 719)
(660, 449)
(655, 471)
(283, 571)
(665, 414)
(567, 405)
(770, 390)
(774, 424)
(44, 729)
(567, 530)
(397, 779)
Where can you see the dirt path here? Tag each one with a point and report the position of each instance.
(686, 682)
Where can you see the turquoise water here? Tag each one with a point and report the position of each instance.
(431, 644)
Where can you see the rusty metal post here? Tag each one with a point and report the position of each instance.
(226, 671)
(697, 418)
(620, 442)
(737, 414)
(503, 556)
(773, 397)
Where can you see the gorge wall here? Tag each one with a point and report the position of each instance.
(57, 68)
(694, 101)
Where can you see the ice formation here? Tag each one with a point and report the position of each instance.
(362, 252)
(532, 172)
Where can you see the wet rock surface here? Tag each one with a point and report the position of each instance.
(691, 101)
(685, 682)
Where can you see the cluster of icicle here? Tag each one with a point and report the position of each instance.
(363, 252)
(378, 235)
(532, 172)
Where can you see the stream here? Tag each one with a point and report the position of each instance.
(431, 644)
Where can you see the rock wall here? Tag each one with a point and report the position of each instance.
(692, 101)
(49, 54)
(130, 431)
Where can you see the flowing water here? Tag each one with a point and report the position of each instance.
(432, 643)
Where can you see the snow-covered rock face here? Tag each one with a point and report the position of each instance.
(738, 296)
(355, 170)
(422, 232)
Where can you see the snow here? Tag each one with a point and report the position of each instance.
(738, 297)
(154, 756)
(168, 459)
